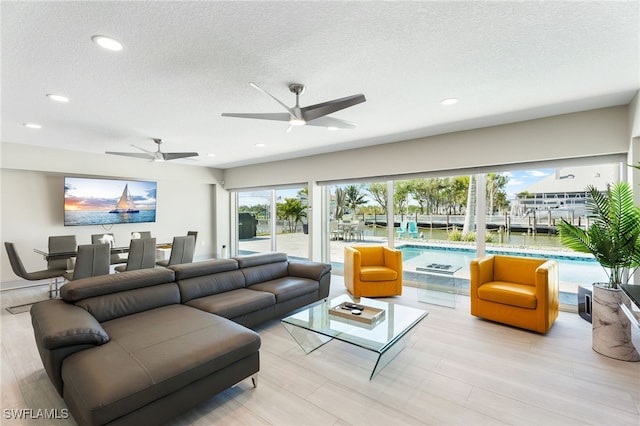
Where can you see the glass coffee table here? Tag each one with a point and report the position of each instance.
(385, 335)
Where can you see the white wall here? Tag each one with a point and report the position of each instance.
(189, 198)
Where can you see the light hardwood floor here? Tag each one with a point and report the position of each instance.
(456, 369)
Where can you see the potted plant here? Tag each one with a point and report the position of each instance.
(613, 238)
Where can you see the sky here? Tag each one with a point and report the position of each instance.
(103, 194)
(519, 180)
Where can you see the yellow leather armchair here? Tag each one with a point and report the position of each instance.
(373, 271)
(519, 291)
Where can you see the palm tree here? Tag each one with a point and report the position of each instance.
(354, 198)
(614, 235)
(292, 211)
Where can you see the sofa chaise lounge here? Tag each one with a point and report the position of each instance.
(142, 346)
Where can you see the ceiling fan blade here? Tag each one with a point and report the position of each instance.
(177, 155)
(316, 111)
(278, 116)
(330, 122)
(131, 154)
(144, 150)
(274, 98)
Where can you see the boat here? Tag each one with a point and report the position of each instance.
(125, 204)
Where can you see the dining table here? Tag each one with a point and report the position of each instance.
(69, 254)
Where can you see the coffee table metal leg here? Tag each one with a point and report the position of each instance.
(307, 339)
(388, 355)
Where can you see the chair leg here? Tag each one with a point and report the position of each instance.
(53, 287)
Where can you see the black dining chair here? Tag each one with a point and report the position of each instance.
(182, 251)
(142, 255)
(114, 258)
(46, 274)
(92, 260)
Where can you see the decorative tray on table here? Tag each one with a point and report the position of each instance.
(357, 312)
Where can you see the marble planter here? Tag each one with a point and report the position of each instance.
(611, 327)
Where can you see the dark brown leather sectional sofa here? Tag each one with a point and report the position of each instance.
(140, 347)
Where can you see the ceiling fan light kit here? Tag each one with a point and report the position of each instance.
(313, 115)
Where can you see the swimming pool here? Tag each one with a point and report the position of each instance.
(572, 269)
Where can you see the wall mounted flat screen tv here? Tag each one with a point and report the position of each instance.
(91, 201)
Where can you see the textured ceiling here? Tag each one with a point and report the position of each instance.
(185, 63)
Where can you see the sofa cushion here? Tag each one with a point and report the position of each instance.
(207, 285)
(206, 267)
(287, 288)
(235, 303)
(155, 353)
(123, 303)
(377, 273)
(112, 283)
(308, 269)
(257, 259)
(507, 293)
(262, 273)
(60, 324)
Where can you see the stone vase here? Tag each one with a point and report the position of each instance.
(611, 327)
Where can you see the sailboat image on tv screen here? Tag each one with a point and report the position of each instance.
(125, 204)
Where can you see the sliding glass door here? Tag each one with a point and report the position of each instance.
(273, 220)
(254, 221)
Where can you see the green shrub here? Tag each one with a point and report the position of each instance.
(469, 237)
(455, 235)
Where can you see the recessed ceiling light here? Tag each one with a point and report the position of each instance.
(211, 155)
(449, 101)
(32, 125)
(332, 128)
(260, 145)
(107, 42)
(57, 98)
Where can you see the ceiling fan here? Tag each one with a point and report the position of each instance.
(155, 155)
(313, 115)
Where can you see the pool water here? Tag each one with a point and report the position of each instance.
(572, 269)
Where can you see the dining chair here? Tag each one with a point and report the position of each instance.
(92, 260)
(195, 235)
(336, 232)
(141, 234)
(46, 274)
(358, 232)
(61, 244)
(142, 255)
(182, 251)
(114, 258)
